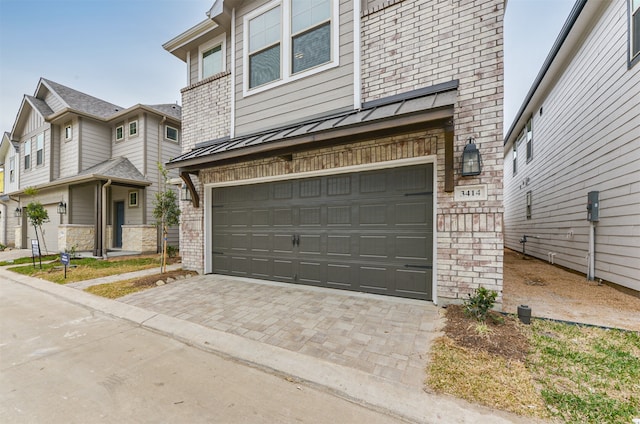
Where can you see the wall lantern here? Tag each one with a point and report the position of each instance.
(18, 212)
(185, 193)
(62, 208)
(471, 160)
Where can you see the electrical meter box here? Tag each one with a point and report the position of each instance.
(593, 206)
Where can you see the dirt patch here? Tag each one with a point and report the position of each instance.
(554, 292)
(152, 280)
(501, 336)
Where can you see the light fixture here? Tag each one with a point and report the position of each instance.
(62, 208)
(186, 194)
(18, 212)
(471, 160)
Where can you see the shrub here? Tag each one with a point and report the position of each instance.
(480, 303)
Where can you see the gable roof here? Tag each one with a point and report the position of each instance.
(81, 102)
(170, 109)
(118, 168)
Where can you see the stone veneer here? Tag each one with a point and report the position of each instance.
(140, 238)
(76, 236)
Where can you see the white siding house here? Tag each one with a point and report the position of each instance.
(578, 131)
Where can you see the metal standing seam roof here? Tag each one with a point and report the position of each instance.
(394, 107)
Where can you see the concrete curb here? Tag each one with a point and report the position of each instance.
(359, 387)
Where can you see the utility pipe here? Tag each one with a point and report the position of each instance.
(103, 228)
(592, 252)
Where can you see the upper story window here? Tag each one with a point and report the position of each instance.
(515, 157)
(171, 133)
(289, 39)
(27, 154)
(40, 149)
(529, 137)
(68, 131)
(634, 29)
(212, 57)
(119, 132)
(12, 169)
(133, 128)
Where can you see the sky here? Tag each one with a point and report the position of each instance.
(112, 49)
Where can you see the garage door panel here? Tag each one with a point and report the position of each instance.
(413, 283)
(374, 246)
(311, 273)
(284, 270)
(413, 248)
(260, 218)
(369, 231)
(339, 245)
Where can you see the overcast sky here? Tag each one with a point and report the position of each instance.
(112, 49)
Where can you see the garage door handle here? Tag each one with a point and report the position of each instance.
(419, 266)
(295, 240)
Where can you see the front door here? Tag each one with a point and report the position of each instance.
(119, 221)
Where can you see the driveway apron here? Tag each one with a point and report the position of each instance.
(387, 337)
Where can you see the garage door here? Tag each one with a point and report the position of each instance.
(368, 231)
(50, 230)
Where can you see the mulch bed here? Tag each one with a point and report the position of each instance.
(505, 337)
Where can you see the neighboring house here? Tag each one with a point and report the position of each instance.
(95, 166)
(323, 140)
(578, 131)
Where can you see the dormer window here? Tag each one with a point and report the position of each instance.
(133, 128)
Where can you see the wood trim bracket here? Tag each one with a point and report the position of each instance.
(195, 198)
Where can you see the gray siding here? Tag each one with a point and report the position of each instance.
(313, 95)
(81, 205)
(36, 174)
(586, 139)
(69, 152)
(96, 143)
(54, 102)
(131, 147)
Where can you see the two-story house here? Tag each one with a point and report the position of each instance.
(95, 167)
(575, 144)
(323, 144)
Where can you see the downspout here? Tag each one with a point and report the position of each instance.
(232, 114)
(103, 229)
(160, 161)
(357, 77)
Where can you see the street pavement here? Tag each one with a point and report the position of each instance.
(64, 363)
(346, 344)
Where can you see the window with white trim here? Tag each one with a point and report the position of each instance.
(119, 132)
(27, 154)
(12, 169)
(171, 133)
(68, 131)
(289, 39)
(528, 205)
(212, 57)
(39, 149)
(133, 128)
(634, 31)
(515, 157)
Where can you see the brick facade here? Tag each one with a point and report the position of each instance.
(406, 45)
(413, 44)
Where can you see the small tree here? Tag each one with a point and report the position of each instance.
(37, 215)
(166, 212)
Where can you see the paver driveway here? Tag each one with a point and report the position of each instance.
(388, 337)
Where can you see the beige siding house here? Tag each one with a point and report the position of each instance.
(94, 165)
(323, 143)
(577, 132)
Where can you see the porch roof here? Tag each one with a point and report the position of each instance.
(406, 110)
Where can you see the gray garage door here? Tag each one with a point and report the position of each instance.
(368, 231)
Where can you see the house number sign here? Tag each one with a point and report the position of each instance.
(470, 193)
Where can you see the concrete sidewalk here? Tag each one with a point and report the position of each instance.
(377, 386)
